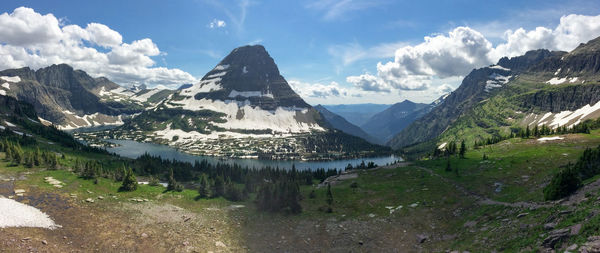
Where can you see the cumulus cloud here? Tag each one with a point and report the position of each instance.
(369, 82)
(215, 23)
(28, 38)
(462, 49)
(318, 90)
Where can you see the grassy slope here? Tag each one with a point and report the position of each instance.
(441, 213)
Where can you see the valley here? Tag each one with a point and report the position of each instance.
(368, 126)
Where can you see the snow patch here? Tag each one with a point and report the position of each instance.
(12, 79)
(16, 214)
(556, 80)
(557, 71)
(553, 138)
(3, 92)
(222, 67)
(9, 124)
(574, 79)
(6, 85)
(496, 81)
(247, 94)
(442, 146)
(244, 70)
(499, 67)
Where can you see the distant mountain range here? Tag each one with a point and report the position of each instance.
(386, 124)
(357, 114)
(338, 122)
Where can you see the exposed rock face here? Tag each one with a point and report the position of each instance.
(471, 91)
(481, 84)
(71, 98)
(565, 98)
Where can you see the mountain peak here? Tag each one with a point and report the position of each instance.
(248, 73)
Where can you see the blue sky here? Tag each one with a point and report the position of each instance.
(317, 45)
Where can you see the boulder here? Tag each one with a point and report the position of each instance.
(421, 238)
(555, 236)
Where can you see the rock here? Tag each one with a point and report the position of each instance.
(187, 219)
(421, 238)
(360, 242)
(470, 224)
(371, 215)
(44, 242)
(549, 226)
(572, 247)
(522, 215)
(100, 197)
(186, 243)
(592, 245)
(220, 244)
(144, 235)
(556, 236)
(89, 200)
(17, 191)
(575, 229)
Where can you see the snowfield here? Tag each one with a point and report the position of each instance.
(553, 138)
(12, 79)
(565, 118)
(556, 80)
(496, 81)
(15, 214)
(242, 115)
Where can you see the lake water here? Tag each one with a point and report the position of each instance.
(134, 149)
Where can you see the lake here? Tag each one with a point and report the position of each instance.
(134, 149)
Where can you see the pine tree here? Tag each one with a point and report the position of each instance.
(37, 159)
(129, 182)
(527, 132)
(204, 188)
(219, 186)
(463, 149)
(172, 183)
(329, 199)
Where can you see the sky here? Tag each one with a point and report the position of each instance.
(330, 51)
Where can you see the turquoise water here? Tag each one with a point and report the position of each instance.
(134, 149)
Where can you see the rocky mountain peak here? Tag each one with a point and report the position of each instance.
(247, 74)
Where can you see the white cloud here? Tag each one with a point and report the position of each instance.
(215, 23)
(369, 82)
(462, 49)
(318, 90)
(334, 9)
(28, 38)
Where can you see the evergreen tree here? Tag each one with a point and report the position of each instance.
(463, 149)
(172, 184)
(37, 159)
(527, 132)
(329, 199)
(204, 187)
(219, 186)
(129, 182)
(448, 168)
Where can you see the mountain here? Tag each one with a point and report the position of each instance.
(243, 107)
(357, 114)
(72, 99)
(338, 122)
(540, 88)
(388, 123)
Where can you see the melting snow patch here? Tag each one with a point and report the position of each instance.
(244, 70)
(12, 79)
(3, 92)
(15, 214)
(6, 85)
(553, 138)
(496, 81)
(574, 79)
(557, 71)
(9, 124)
(556, 80)
(443, 145)
(222, 67)
(499, 67)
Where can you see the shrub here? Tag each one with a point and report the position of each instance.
(563, 184)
